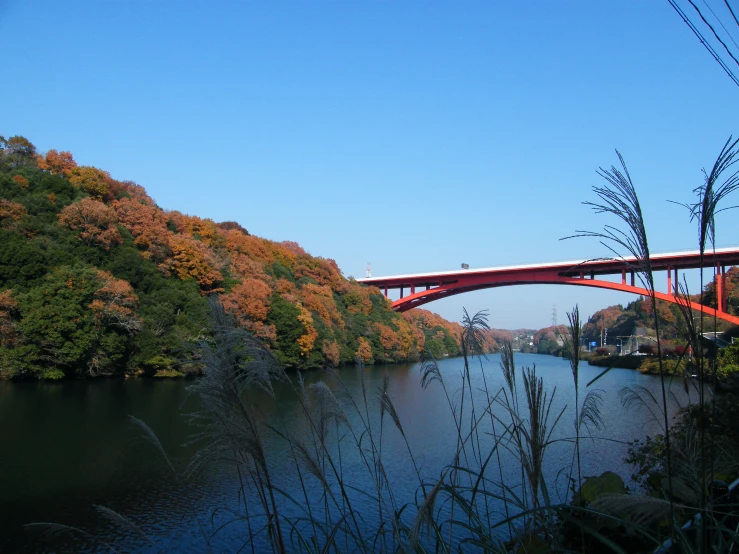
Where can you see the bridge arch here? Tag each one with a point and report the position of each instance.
(579, 273)
(425, 296)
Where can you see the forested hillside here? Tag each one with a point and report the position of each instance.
(96, 279)
(616, 324)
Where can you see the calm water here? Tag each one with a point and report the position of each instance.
(66, 447)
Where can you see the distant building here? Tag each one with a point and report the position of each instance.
(639, 336)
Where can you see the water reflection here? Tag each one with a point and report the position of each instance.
(65, 447)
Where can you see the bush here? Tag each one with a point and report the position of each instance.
(627, 362)
(669, 367)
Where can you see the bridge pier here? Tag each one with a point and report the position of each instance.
(721, 288)
(677, 281)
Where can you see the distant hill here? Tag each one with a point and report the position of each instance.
(96, 279)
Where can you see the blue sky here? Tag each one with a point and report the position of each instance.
(414, 135)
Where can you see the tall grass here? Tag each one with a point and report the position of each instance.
(318, 509)
(456, 509)
(618, 198)
(693, 467)
(710, 197)
(341, 497)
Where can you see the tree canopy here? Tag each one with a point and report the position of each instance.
(96, 279)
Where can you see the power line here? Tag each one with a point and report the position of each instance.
(715, 34)
(703, 40)
(721, 22)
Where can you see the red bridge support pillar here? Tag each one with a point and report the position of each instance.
(721, 288)
(669, 281)
(677, 283)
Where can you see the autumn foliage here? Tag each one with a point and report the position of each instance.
(147, 224)
(57, 163)
(114, 303)
(364, 351)
(94, 222)
(143, 299)
(11, 212)
(191, 259)
(91, 180)
(21, 181)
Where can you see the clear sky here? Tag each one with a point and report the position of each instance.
(415, 135)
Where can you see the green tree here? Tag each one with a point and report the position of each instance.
(61, 323)
(21, 260)
(17, 151)
(284, 316)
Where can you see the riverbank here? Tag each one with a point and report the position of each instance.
(624, 362)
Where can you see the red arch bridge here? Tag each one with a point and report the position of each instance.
(427, 287)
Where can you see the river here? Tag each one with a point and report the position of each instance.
(67, 447)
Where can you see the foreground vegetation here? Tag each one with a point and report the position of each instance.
(681, 474)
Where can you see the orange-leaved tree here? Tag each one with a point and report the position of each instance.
(331, 352)
(57, 163)
(114, 303)
(322, 271)
(387, 337)
(406, 340)
(193, 259)
(249, 300)
(11, 213)
(94, 220)
(204, 230)
(320, 300)
(92, 180)
(309, 336)
(364, 352)
(147, 224)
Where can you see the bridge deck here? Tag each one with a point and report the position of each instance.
(605, 266)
